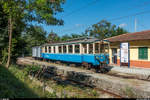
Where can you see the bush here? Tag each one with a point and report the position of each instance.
(32, 70)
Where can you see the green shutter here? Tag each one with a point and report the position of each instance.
(143, 53)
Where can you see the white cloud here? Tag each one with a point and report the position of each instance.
(123, 25)
(77, 25)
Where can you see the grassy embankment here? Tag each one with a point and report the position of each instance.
(15, 83)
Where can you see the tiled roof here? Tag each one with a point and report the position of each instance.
(143, 35)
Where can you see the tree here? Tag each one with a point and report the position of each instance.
(3, 33)
(53, 37)
(33, 36)
(65, 37)
(104, 29)
(41, 11)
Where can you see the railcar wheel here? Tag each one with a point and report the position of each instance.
(89, 66)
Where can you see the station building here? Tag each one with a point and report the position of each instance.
(139, 48)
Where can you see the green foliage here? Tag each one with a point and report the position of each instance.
(4, 57)
(104, 29)
(33, 36)
(53, 37)
(14, 83)
(11, 85)
(31, 69)
(22, 12)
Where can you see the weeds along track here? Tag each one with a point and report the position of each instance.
(110, 83)
(62, 79)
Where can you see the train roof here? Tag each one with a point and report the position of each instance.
(75, 41)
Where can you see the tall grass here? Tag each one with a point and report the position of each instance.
(14, 83)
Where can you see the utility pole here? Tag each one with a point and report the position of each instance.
(135, 25)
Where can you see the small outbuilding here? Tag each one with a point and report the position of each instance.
(139, 48)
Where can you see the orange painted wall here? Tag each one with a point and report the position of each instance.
(141, 64)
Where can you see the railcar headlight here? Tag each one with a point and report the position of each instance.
(97, 58)
(101, 57)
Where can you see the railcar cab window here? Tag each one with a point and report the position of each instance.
(90, 48)
(102, 48)
(77, 49)
(70, 48)
(59, 49)
(64, 48)
(97, 48)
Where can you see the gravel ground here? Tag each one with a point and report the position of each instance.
(138, 71)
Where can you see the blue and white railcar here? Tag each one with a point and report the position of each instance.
(82, 50)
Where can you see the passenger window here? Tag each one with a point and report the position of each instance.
(77, 49)
(90, 48)
(70, 48)
(64, 49)
(59, 48)
(49, 49)
(45, 49)
(84, 48)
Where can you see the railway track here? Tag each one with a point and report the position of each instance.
(115, 95)
(124, 75)
(62, 79)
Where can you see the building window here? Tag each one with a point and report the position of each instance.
(143, 53)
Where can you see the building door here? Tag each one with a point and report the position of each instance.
(114, 55)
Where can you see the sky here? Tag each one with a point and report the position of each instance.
(78, 15)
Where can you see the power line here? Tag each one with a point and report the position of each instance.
(140, 13)
(81, 8)
(113, 19)
(139, 23)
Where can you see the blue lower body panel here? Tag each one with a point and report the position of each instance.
(76, 58)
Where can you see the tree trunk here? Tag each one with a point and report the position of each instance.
(10, 40)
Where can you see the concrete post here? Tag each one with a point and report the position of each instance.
(87, 48)
(93, 48)
(73, 48)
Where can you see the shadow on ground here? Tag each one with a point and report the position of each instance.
(11, 87)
